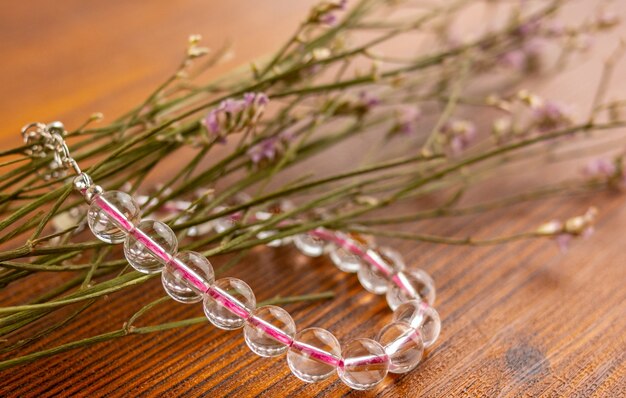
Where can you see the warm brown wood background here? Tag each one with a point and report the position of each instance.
(518, 320)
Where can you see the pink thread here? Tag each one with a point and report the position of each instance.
(401, 281)
(229, 302)
(116, 216)
(152, 246)
(370, 256)
(190, 275)
(317, 353)
(271, 330)
(365, 360)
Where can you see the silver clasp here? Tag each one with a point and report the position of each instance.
(44, 139)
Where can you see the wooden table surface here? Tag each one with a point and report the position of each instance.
(518, 320)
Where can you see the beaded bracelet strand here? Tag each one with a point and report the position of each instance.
(313, 354)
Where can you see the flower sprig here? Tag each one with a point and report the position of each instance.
(330, 88)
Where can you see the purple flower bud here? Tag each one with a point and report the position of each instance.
(211, 122)
(587, 232)
(368, 99)
(408, 117)
(550, 115)
(514, 59)
(529, 27)
(264, 150)
(262, 99)
(457, 145)
(248, 99)
(245, 111)
(328, 19)
(460, 134)
(599, 168)
(232, 106)
(563, 241)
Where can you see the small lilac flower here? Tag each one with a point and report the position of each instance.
(325, 12)
(521, 59)
(514, 59)
(249, 98)
(529, 27)
(600, 168)
(368, 99)
(211, 121)
(459, 134)
(549, 115)
(588, 232)
(232, 106)
(328, 19)
(264, 150)
(233, 115)
(287, 135)
(563, 241)
(408, 116)
(563, 233)
(262, 99)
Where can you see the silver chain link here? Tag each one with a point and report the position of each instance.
(44, 139)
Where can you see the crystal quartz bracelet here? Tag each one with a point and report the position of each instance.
(313, 354)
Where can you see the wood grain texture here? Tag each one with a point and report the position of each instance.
(518, 320)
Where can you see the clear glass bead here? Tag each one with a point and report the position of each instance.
(105, 227)
(420, 315)
(181, 277)
(364, 364)
(309, 245)
(404, 346)
(217, 311)
(303, 364)
(372, 278)
(421, 284)
(343, 258)
(150, 256)
(272, 340)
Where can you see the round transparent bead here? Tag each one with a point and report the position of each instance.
(309, 245)
(144, 256)
(372, 278)
(306, 366)
(218, 313)
(420, 315)
(421, 284)
(176, 277)
(343, 258)
(404, 346)
(364, 364)
(105, 227)
(269, 331)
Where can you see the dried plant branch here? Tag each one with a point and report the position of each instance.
(328, 88)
